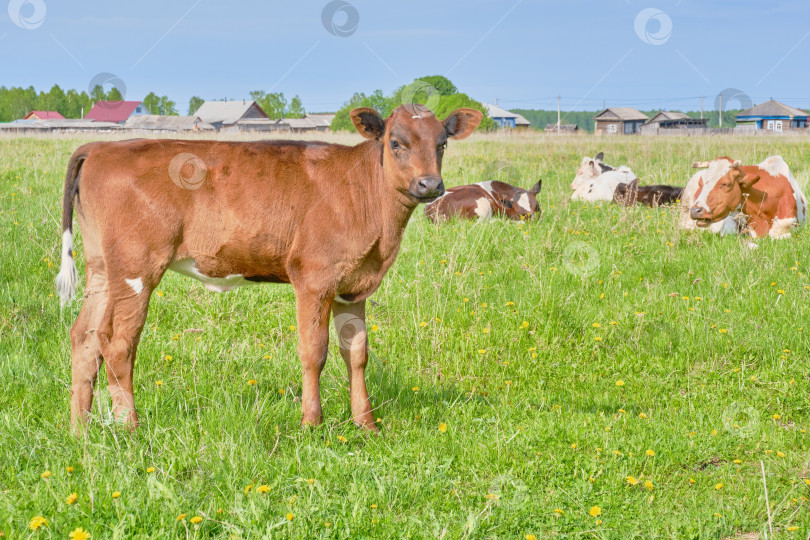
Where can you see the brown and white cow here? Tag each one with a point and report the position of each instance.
(326, 218)
(654, 195)
(486, 199)
(766, 193)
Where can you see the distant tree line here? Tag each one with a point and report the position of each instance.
(539, 118)
(16, 102)
(435, 91)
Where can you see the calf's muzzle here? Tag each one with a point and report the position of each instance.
(427, 188)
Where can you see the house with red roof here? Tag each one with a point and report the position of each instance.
(116, 111)
(43, 115)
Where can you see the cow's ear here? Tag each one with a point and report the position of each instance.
(634, 185)
(506, 203)
(368, 123)
(536, 188)
(462, 122)
(748, 180)
(600, 156)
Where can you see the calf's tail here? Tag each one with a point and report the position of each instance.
(67, 278)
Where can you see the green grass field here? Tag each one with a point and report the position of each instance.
(596, 373)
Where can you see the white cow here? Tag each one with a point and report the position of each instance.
(734, 223)
(596, 181)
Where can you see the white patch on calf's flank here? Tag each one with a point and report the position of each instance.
(67, 278)
(487, 186)
(781, 228)
(483, 209)
(135, 284)
(523, 202)
(188, 267)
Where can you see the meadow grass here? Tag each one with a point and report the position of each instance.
(594, 373)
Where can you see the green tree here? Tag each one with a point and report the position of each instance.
(194, 104)
(114, 95)
(97, 93)
(295, 109)
(441, 83)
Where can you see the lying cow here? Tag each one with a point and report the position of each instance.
(655, 195)
(767, 194)
(483, 200)
(326, 218)
(596, 181)
(734, 223)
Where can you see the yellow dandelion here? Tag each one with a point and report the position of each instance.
(70, 499)
(159, 383)
(530, 537)
(642, 415)
(37, 522)
(650, 452)
(252, 382)
(168, 357)
(486, 330)
(632, 480)
(524, 324)
(723, 331)
(597, 338)
(559, 511)
(574, 446)
(482, 351)
(780, 454)
(443, 427)
(620, 383)
(510, 303)
(181, 517)
(290, 516)
(737, 461)
(46, 474)
(423, 324)
(263, 488)
(614, 323)
(373, 506)
(292, 328)
(719, 486)
(596, 325)
(374, 327)
(781, 291)
(79, 534)
(342, 439)
(622, 411)
(196, 519)
(69, 469)
(150, 469)
(648, 484)
(310, 481)
(776, 417)
(415, 388)
(792, 528)
(116, 494)
(492, 496)
(595, 511)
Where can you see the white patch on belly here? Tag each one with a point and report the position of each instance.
(780, 228)
(188, 267)
(523, 202)
(135, 284)
(483, 209)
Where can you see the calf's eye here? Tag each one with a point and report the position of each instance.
(395, 145)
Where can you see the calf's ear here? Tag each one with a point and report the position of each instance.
(506, 204)
(600, 156)
(368, 123)
(748, 180)
(462, 122)
(536, 188)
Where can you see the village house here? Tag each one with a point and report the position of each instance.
(115, 111)
(506, 119)
(773, 116)
(619, 121)
(43, 115)
(226, 114)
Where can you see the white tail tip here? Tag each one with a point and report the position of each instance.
(67, 278)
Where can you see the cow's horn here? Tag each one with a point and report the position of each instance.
(737, 164)
(701, 165)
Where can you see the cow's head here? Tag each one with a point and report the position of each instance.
(720, 190)
(522, 204)
(413, 143)
(589, 169)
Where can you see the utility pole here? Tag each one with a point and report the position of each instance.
(720, 112)
(558, 113)
(701, 107)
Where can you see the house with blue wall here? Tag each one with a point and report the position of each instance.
(506, 119)
(773, 116)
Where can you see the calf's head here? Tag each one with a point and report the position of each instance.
(522, 204)
(720, 190)
(589, 169)
(413, 143)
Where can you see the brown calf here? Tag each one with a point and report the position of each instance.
(655, 195)
(767, 194)
(485, 199)
(326, 218)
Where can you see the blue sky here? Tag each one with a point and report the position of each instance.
(523, 53)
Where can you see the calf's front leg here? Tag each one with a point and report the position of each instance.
(350, 324)
(313, 341)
